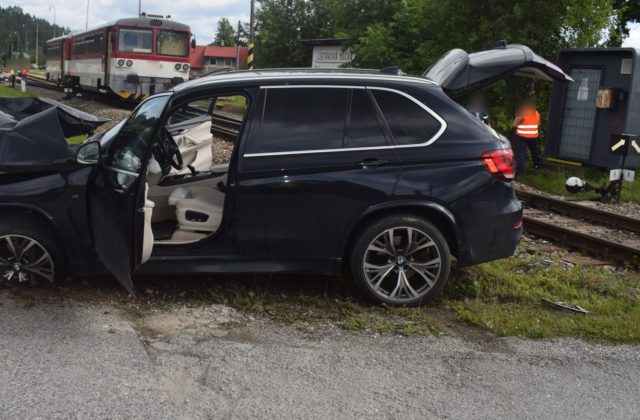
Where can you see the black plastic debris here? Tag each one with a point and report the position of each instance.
(33, 132)
(72, 121)
(565, 306)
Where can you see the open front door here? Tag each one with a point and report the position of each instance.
(117, 195)
(459, 70)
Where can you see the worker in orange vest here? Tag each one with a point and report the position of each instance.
(527, 126)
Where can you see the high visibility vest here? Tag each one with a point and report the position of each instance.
(528, 128)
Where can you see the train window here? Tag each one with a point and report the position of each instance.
(135, 40)
(172, 43)
(53, 51)
(92, 44)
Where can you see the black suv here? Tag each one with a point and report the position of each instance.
(378, 172)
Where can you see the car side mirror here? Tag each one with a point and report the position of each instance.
(89, 153)
(193, 42)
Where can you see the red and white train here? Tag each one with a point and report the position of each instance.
(133, 57)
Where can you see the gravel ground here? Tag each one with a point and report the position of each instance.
(625, 209)
(70, 359)
(222, 150)
(92, 106)
(599, 231)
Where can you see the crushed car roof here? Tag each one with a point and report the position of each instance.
(33, 132)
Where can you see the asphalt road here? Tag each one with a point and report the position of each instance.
(70, 359)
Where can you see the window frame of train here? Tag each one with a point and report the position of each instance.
(91, 45)
(581, 136)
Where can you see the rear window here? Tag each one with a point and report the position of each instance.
(363, 127)
(323, 118)
(301, 119)
(409, 122)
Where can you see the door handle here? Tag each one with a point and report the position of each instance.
(373, 163)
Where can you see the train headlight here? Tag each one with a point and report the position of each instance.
(121, 62)
(185, 67)
(178, 66)
(129, 63)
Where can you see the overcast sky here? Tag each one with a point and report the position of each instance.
(201, 15)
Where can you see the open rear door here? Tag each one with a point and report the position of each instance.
(117, 194)
(458, 70)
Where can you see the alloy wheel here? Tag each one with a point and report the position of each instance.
(402, 264)
(24, 260)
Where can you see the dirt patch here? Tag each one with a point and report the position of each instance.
(191, 323)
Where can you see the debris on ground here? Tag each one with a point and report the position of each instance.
(565, 306)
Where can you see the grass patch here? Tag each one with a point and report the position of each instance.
(307, 303)
(77, 139)
(8, 92)
(551, 179)
(504, 297)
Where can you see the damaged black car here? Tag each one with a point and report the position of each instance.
(380, 174)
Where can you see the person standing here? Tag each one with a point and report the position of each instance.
(527, 126)
(12, 78)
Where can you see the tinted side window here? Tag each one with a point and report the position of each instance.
(363, 127)
(408, 122)
(301, 119)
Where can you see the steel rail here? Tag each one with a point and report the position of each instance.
(224, 126)
(593, 244)
(575, 210)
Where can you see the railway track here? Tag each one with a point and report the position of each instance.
(225, 126)
(598, 232)
(43, 83)
(111, 100)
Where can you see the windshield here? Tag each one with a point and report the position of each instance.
(107, 137)
(135, 40)
(172, 43)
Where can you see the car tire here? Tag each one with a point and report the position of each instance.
(29, 252)
(401, 260)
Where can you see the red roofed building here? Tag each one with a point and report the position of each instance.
(205, 59)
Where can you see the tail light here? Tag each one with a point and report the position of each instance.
(500, 164)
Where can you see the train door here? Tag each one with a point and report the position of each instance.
(107, 56)
(64, 48)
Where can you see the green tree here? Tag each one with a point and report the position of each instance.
(14, 22)
(225, 34)
(282, 24)
(628, 11)
(419, 31)
(242, 34)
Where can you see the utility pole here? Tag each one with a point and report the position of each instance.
(139, 7)
(86, 24)
(37, 47)
(54, 19)
(251, 35)
(26, 40)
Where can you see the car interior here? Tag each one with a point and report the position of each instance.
(185, 200)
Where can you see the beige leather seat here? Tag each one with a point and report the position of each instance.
(198, 208)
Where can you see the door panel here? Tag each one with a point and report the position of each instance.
(116, 196)
(315, 160)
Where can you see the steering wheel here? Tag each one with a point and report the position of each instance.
(169, 150)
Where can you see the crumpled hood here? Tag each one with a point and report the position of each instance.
(33, 132)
